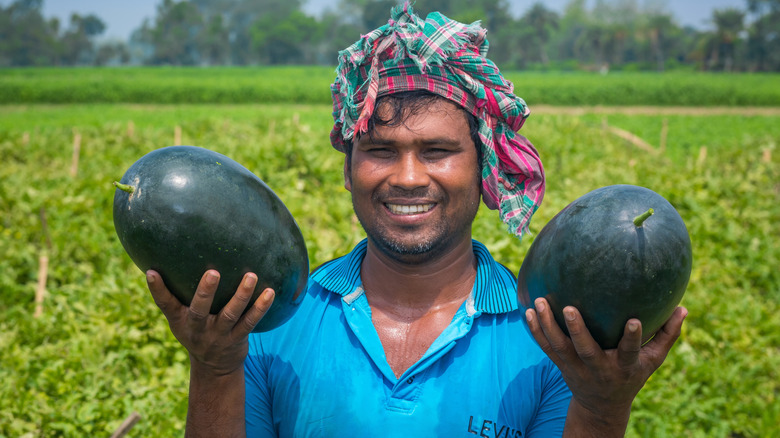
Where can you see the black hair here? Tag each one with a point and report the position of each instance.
(407, 103)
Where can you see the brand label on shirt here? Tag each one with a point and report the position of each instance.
(491, 429)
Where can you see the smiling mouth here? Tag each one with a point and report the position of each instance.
(409, 209)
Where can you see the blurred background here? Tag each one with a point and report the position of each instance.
(89, 86)
(558, 35)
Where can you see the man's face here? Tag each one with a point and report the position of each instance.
(416, 186)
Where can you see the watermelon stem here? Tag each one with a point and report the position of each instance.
(639, 220)
(124, 187)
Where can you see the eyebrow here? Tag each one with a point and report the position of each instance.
(382, 141)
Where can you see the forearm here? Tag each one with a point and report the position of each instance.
(216, 404)
(581, 422)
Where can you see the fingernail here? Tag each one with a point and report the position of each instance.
(539, 305)
(633, 326)
(212, 278)
(250, 281)
(529, 315)
(268, 295)
(569, 314)
(149, 278)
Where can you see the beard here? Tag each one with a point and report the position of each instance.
(416, 244)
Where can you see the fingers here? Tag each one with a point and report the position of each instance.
(233, 310)
(532, 316)
(664, 339)
(232, 317)
(204, 296)
(236, 317)
(548, 334)
(586, 347)
(165, 300)
(255, 313)
(630, 344)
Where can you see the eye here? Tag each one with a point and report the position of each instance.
(380, 152)
(437, 153)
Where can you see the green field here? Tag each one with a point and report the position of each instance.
(311, 85)
(100, 349)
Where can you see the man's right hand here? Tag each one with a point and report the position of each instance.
(216, 343)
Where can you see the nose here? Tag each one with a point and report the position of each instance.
(409, 172)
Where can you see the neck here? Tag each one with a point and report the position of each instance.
(418, 288)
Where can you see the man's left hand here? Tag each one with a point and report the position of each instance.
(603, 383)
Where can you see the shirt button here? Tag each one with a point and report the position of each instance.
(410, 380)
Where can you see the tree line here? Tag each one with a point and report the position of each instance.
(610, 35)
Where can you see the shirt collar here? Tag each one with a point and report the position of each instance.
(495, 288)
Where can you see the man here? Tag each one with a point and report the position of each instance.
(417, 331)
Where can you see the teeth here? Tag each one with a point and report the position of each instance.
(409, 209)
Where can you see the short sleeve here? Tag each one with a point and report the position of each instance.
(553, 406)
(259, 421)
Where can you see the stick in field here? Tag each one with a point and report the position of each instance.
(45, 228)
(130, 129)
(74, 165)
(40, 290)
(633, 139)
(25, 138)
(664, 134)
(126, 425)
(177, 135)
(702, 155)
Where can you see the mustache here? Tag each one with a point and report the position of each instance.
(416, 193)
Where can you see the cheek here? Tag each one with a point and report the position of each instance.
(361, 178)
(464, 175)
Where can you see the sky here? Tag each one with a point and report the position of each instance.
(122, 16)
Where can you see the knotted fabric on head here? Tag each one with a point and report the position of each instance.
(446, 58)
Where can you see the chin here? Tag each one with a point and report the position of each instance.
(415, 249)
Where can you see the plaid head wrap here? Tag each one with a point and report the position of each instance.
(446, 58)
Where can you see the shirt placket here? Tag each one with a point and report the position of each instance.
(404, 391)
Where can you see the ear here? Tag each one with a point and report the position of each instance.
(347, 177)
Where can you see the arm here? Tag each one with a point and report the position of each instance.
(217, 345)
(603, 383)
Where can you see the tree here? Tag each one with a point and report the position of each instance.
(729, 22)
(763, 44)
(540, 24)
(662, 32)
(377, 12)
(284, 41)
(177, 34)
(112, 53)
(570, 26)
(26, 39)
(216, 42)
(77, 43)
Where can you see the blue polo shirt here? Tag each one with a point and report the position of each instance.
(324, 372)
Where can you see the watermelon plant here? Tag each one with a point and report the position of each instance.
(100, 349)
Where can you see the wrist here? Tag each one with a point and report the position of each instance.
(216, 368)
(216, 402)
(208, 370)
(584, 421)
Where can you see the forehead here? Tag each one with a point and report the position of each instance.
(430, 117)
(389, 108)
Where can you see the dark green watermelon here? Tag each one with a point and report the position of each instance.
(183, 210)
(592, 255)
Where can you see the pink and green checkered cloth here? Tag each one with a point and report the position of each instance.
(447, 58)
